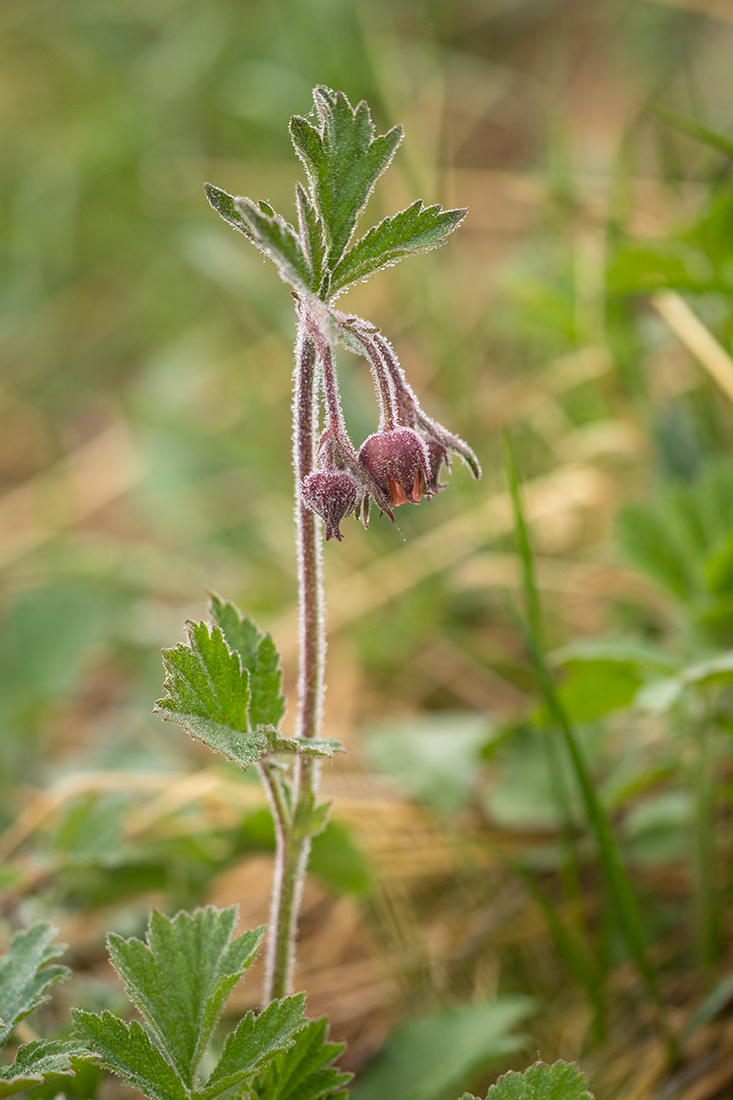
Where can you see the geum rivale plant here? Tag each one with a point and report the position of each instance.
(223, 684)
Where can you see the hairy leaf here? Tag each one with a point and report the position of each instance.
(38, 1062)
(278, 240)
(208, 694)
(128, 1051)
(315, 746)
(255, 1041)
(181, 978)
(25, 974)
(416, 229)
(561, 1081)
(343, 160)
(306, 1071)
(259, 656)
(224, 205)
(312, 235)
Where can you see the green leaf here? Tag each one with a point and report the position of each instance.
(561, 1081)
(642, 657)
(259, 656)
(25, 974)
(426, 1057)
(594, 688)
(416, 229)
(306, 1071)
(254, 1042)
(224, 205)
(310, 819)
(337, 860)
(208, 694)
(312, 235)
(278, 240)
(433, 758)
(38, 1062)
(312, 746)
(181, 978)
(128, 1051)
(343, 160)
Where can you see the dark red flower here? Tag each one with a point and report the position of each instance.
(399, 463)
(331, 494)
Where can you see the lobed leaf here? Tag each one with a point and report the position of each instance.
(278, 240)
(181, 978)
(315, 746)
(561, 1081)
(255, 1041)
(128, 1051)
(343, 160)
(223, 203)
(25, 974)
(416, 229)
(38, 1062)
(312, 235)
(259, 657)
(209, 695)
(305, 1071)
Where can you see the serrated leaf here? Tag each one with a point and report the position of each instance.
(305, 1071)
(259, 656)
(343, 160)
(311, 820)
(561, 1081)
(312, 235)
(25, 974)
(416, 229)
(278, 240)
(312, 746)
(208, 694)
(128, 1051)
(181, 978)
(38, 1062)
(254, 1042)
(224, 205)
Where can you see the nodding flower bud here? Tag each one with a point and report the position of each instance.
(331, 494)
(399, 463)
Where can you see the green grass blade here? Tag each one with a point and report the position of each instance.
(521, 537)
(618, 882)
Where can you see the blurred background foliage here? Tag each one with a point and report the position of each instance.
(144, 456)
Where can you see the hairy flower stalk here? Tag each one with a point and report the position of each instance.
(397, 464)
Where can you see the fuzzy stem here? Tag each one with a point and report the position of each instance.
(331, 391)
(293, 841)
(388, 409)
(310, 564)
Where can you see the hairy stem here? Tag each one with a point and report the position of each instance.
(293, 838)
(388, 410)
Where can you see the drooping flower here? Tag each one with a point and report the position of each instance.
(332, 495)
(399, 462)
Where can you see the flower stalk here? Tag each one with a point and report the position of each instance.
(397, 464)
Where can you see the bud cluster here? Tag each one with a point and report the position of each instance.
(400, 462)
